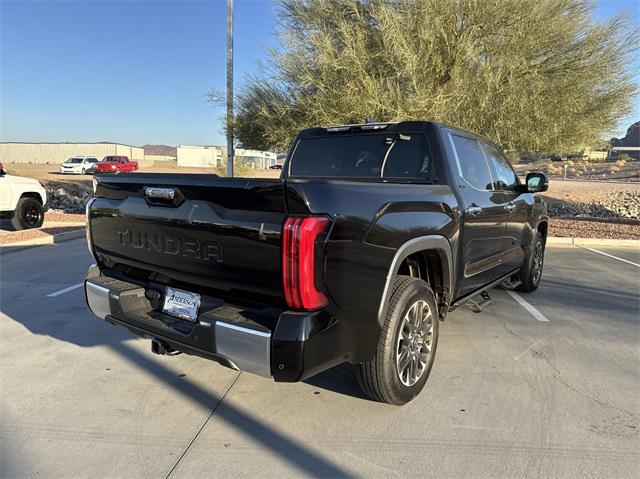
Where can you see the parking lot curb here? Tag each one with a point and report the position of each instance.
(626, 243)
(45, 240)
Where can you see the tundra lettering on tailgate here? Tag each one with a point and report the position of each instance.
(171, 245)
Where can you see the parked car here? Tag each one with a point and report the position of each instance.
(22, 200)
(79, 165)
(372, 234)
(116, 164)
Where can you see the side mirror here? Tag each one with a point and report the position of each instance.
(537, 182)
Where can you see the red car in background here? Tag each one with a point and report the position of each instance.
(116, 164)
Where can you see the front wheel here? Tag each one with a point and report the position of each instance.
(84, 172)
(28, 214)
(407, 346)
(531, 272)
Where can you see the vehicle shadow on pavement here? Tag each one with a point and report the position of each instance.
(340, 379)
(279, 443)
(63, 326)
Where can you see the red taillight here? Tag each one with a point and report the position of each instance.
(299, 237)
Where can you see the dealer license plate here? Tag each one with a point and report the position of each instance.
(181, 304)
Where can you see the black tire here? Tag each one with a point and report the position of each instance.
(28, 214)
(380, 378)
(84, 172)
(531, 272)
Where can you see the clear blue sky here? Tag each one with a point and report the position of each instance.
(133, 72)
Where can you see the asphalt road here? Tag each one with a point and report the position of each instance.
(510, 395)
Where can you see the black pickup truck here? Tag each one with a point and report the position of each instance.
(371, 235)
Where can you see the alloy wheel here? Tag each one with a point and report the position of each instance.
(538, 260)
(414, 343)
(32, 217)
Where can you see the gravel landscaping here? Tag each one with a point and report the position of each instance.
(10, 237)
(67, 196)
(593, 228)
(620, 204)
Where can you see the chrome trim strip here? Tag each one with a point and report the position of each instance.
(243, 329)
(249, 349)
(421, 243)
(87, 228)
(98, 299)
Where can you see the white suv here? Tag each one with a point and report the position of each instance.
(80, 165)
(22, 200)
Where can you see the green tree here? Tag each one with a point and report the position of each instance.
(529, 74)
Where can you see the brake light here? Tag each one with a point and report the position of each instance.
(299, 236)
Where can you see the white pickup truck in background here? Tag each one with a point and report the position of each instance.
(22, 200)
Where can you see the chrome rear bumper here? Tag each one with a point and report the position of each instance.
(221, 334)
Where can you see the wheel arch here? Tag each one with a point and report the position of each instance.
(426, 250)
(33, 195)
(543, 228)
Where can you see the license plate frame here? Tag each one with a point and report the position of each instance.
(181, 304)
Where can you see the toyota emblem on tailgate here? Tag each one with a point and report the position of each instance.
(153, 192)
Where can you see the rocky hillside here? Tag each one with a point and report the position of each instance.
(162, 150)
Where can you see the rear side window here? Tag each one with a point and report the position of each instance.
(365, 155)
(506, 178)
(471, 162)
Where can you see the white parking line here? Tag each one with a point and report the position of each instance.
(611, 256)
(65, 290)
(526, 305)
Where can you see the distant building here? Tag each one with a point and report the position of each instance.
(201, 156)
(629, 144)
(55, 153)
(630, 151)
(594, 155)
(256, 158)
(216, 157)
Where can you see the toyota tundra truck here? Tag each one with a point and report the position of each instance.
(370, 236)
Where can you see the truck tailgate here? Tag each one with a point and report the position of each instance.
(200, 230)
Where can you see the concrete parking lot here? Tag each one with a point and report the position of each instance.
(548, 387)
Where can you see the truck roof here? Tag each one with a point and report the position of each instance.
(392, 127)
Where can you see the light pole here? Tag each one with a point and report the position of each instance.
(229, 87)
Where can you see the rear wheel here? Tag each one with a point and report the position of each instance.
(28, 214)
(84, 172)
(531, 273)
(406, 350)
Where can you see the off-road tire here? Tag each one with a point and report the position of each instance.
(531, 273)
(379, 378)
(28, 214)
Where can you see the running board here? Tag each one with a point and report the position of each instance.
(478, 302)
(511, 283)
(493, 284)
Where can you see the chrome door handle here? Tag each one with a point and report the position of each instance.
(510, 207)
(473, 210)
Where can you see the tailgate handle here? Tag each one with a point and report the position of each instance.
(160, 196)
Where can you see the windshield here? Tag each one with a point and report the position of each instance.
(74, 160)
(362, 155)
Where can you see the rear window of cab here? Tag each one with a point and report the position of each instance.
(376, 155)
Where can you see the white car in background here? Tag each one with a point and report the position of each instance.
(79, 165)
(22, 200)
